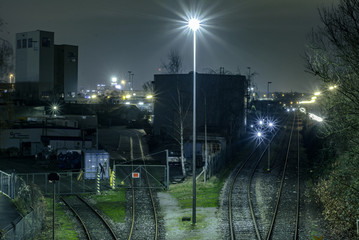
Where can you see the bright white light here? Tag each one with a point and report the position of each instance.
(194, 24)
(114, 79)
(259, 134)
(288, 109)
(315, 117)
(140, 103)
(127, 103)
(252, 126)
(149, 96)
(307, 102)
(118, 86)
(261, 122)
(317, 93)
(270, 124)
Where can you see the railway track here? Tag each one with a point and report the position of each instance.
(143, 203)
(243, 212)
(93, 224)
(285, 221)
(241, 222)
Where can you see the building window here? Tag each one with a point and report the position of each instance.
(18, 43)
(46, 42)
(71, 57)
(24, 43)
(29, 43)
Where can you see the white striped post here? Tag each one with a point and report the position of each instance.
(98, 181)
(113, 178)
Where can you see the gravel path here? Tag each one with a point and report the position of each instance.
(208, 226)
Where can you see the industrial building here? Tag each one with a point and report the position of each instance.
(45, 71)
(33, 135)
(221, 101)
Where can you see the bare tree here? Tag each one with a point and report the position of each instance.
(333, 56)
(148, 87)
(181, 110)
(6, 55)
(174, 64)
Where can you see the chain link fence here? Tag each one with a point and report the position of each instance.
(69, 182)
(24, 227)
(6, 184)
(129, 176)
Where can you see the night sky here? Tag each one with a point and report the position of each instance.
(117, 36)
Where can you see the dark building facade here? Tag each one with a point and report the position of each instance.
(34, 65)
(66, 65)
(220, 104)
(45, 71)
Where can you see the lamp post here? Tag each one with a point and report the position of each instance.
(268, 97)
(194, 24)
(268, 89)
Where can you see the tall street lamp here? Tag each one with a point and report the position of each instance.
(194, 24)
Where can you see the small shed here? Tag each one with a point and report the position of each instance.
(96, 161)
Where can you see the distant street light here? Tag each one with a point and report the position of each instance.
(194, 25)
(54, 109)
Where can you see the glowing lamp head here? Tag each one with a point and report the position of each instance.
(270, 124)
(194, 24)
(261, 122)
(259, 134)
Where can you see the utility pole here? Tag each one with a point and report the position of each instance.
(129, 79)
(205, 139)
(268, 98)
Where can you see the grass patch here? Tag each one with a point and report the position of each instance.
(207, 194)
(112, 203)
(188, 226)
(64, 228)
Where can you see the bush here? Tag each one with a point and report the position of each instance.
(339, 194)
(29, 197)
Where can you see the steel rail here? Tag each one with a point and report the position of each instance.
(133, 194)
(150, 192)
(78, 218)
(298, 190)
(270, 231)
(99, 215)
(107, 226)
(230, 215)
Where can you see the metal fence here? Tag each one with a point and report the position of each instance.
(128, 176)
(215, 162)
(69, 182)
(24, 227)
(6, 184)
